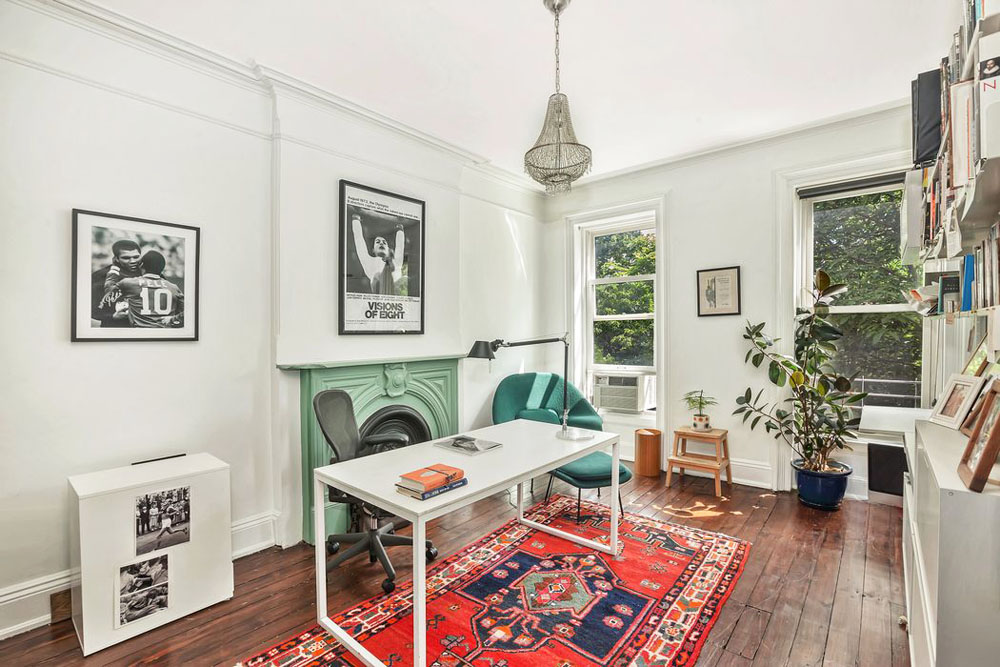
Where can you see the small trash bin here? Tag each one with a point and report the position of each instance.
(647, 452)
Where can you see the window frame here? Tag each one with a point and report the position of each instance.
(645, 221)
(807, 264)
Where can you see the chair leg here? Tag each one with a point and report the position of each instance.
(598, 492)
(395, 540)
(356, 548)
(579, 501)
(621, 506)
(383, 557)
(548, 489)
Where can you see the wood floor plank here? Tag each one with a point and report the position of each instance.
(794, 572)
(875, 643)
(844, 637)
(748, 632)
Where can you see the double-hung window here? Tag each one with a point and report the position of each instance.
(852, 233)
(621, 298)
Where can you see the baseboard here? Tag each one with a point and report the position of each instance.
(25, 606)
(253, 534)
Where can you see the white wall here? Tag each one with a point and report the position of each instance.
(119, 118)
(88, 122)
(726, 208)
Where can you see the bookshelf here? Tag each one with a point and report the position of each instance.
(958, 201)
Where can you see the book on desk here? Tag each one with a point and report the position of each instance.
(431, 481)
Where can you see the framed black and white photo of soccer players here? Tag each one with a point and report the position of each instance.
(133, 279)
(381, 288)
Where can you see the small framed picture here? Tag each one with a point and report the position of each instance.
(719, 291)
(981, 452)
(959, 395)
(978, 362)
(162, 519)
(143, 590)
(133, 279)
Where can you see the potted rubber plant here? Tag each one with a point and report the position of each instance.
(818, 417)
(696, 402)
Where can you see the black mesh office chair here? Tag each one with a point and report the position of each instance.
(375, 529)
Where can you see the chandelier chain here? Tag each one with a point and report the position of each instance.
(557, 51)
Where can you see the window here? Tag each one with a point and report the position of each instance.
(621, 298)
(854, 237)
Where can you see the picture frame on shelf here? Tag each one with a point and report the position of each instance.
(719, 292)
(133, 279)
(381, 276)
(955, 401)
(981, 452)
(978, 361)
(991, 373)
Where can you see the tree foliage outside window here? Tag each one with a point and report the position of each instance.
(620, 341)
(856, 241)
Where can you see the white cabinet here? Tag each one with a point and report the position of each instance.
(167, 524)
(951, 556)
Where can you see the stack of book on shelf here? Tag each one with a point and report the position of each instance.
(431, 481)
(956, 120)
(981, 273)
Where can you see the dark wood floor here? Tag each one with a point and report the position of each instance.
(818, 589)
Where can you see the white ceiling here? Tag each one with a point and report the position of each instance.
(647, 79)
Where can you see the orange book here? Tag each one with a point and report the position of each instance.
(431, 477)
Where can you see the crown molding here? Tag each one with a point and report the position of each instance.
(144, 37)
(857, 117)
(252, 76)
(304, 91)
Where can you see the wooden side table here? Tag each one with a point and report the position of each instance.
(682, 458)
(647, 452)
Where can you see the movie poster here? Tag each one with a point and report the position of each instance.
(381, 262)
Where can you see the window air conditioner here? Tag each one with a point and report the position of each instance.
(624, 392)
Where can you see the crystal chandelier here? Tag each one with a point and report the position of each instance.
(557, 158)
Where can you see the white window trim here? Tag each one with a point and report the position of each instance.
(638, 211)
(788, 244)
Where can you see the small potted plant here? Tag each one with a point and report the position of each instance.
(818, 417)
(697, 401)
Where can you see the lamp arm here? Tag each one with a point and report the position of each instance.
(537, 341)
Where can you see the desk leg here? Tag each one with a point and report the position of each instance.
(341, 635)
(420, 593)
(520, 500)
(613, 499)
(319, 537)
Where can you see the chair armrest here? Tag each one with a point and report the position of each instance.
(383, 442)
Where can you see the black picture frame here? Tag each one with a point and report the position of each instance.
(126, 333)
(705, 306)
(354, 283)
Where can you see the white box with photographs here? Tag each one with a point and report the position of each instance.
(152, 543)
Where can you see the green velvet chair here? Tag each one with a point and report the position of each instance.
(539, 397)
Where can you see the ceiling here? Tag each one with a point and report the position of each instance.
(647, 79)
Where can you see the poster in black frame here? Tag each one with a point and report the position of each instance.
(380, 285)
(716, 294)
(133, 279)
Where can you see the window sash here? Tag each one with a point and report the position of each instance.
(593, 282)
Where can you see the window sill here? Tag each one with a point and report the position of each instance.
(628, 418)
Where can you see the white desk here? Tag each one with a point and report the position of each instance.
(529, 449)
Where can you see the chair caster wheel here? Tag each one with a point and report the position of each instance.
(432, 553)
(388, 586)
(332, 548)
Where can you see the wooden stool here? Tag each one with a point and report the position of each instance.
(713, 464)
(647, 452)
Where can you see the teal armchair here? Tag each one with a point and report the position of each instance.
(538, 397)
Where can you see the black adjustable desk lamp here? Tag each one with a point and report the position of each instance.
(482, 349)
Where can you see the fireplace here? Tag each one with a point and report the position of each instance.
(415, 397)
(397, 419)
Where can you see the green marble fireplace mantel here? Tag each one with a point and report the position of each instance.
(428, 385)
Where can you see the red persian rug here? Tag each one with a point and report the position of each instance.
(519, 597)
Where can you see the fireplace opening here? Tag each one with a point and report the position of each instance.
(397, 419)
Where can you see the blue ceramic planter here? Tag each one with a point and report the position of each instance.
(822, 490)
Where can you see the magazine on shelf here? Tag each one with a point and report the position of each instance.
(467, 445)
